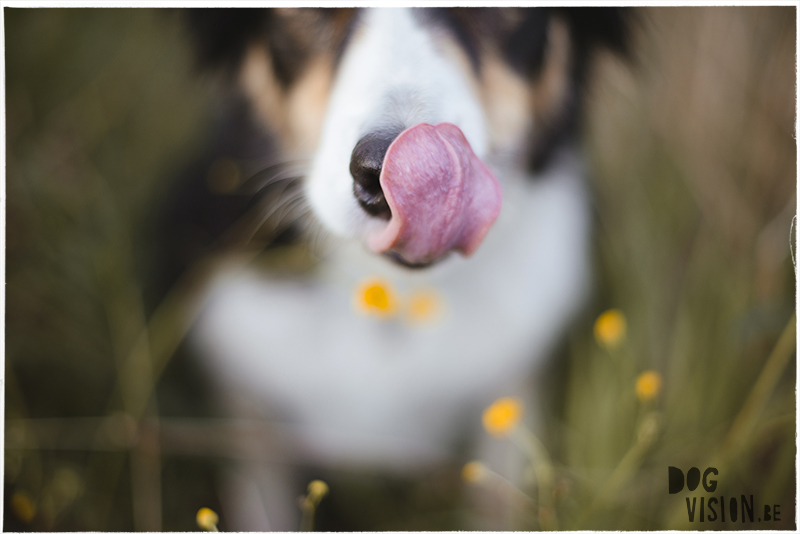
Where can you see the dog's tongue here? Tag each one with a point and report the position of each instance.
(442, 197)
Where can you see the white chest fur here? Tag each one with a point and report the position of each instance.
(358, 388)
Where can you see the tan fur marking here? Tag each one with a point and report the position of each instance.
(507, 100)
(258, 82)
(551, 90)
(295, 116)
(307, 103)
(506, 96)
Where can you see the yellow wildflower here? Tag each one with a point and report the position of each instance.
(502, 416)
(207, 519)
(424, 305)
(473, 472)
(23, 507)
(375, 296)
(317, 489)
(648, 385)
(609, 328)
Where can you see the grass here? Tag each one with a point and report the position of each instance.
(694, 188)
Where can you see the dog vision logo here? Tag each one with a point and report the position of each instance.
(716, 508)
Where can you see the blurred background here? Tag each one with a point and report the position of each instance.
(692, 143)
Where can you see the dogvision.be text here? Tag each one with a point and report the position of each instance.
(708, 508)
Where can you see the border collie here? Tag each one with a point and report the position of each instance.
(419, 169)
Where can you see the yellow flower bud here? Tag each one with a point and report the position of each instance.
(317, 489)
(23, 507)
(207, 519)
(648, 385)
(502, 416)
(609, 328)
(473, 472)
(424, 306)
(375, 296)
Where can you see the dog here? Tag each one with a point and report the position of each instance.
(426, 165)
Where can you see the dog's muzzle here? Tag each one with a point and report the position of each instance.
(437, 195)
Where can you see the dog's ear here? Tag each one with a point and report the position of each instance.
(525, 46)
(590, 28)
(593, 27)
(221, 35)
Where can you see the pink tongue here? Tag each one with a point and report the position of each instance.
(442, 197)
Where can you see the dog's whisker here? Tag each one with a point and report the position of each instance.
(281, 202)
(287, 206)
(275, 173)
(319, 239)
(308, 222)
(312, 225)
(272, 180)
(254, 219)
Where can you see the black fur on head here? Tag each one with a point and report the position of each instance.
(220, 36)
(597, 27)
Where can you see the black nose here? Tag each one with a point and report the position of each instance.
(365, 166)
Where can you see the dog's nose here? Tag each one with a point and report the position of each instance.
(365, 166)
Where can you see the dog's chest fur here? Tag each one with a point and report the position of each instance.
(355, 387)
